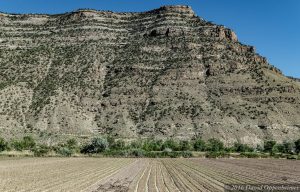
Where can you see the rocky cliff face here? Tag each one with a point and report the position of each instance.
(162, 73)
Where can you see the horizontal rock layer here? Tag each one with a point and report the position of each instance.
(162, 73)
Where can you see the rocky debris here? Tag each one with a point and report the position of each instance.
(162, 73)
(228, 34)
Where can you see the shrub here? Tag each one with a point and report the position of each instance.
(41, 150)
(152, 145)
(289, 147)
(184, 146)
(72, 144)
(64, 151)
(17, 145)
(111, 141)
(170, 143)
(186, 154)
(268, 145)
(28, 143)
(297, 146)
(136, 144)
(215, 145)
(199, 145)
(239, 147)
(118, 145)
(259, 148)
(97, 145)
(278, 148)
(3, 144)
(137, 153)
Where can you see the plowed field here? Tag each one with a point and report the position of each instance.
(135, 175)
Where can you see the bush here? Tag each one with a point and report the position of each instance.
(136, 144)
(17, 145)
(186, 154)
(41, 150)
(215, 145)
(278, 148)
(239, 147)
(28, 143)
(72, 144)
(137, 153)
(3, 144)
(97, 145)
(199, 145)
(184, 146)
(170, 143)
(152, 145)
(297, 146)
(285, 147)
(64, 151)
(268, 146)
(259, 148)
(289, 147)
(118, 145)
(172, 154)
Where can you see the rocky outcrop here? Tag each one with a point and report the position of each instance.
(227, 34)
(162, 73)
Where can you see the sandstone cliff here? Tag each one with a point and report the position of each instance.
(162, 73)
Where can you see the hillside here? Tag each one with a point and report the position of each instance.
(162, 73)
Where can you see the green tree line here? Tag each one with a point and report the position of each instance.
(109, 146)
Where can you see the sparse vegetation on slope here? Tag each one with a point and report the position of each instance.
(163, 73)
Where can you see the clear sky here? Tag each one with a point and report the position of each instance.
(272, 26)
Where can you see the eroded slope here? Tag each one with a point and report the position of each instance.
(160, 73)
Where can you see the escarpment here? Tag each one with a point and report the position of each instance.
(162, 73)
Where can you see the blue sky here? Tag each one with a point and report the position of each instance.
(272, 26)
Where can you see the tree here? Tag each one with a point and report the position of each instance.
(259, 148)
(268, 145)
(118, 145)
(289, 147)
(297, 146)
(199, 145)
(215, 145)
(278, 148)
(72, 144)
(3, 144)
(28, 143)
(184, 146)
(41, 150)
(65, 151)
(136, 144)
(97, 145)
(239, 147)
(170, 143)
(152, 145)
